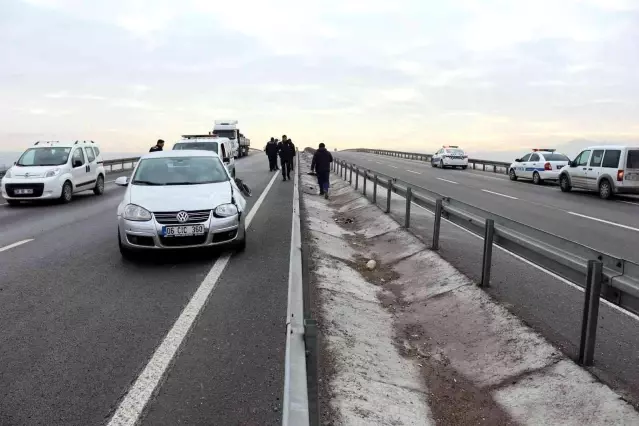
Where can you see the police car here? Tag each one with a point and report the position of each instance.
(539, 165)
(449, 156)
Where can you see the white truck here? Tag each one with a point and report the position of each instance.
(229, 129)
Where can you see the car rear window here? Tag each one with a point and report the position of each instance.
(611, 158)
(198, 146)
(556, 157)
(633, 159)
(455, 151)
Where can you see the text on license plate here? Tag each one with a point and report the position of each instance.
(632, 176)
(182, 230)
(23, 191)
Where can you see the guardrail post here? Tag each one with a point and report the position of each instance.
(590, 313)
(474, 166)
(484, 167)
(364, 185)
(375, 190)
(489, 233)
(388, 195)
(438, 220)
(494, 169)
(409, 199)
(312, 368)
(350, 176)
(356, 178)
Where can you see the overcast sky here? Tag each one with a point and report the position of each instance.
(412, 75)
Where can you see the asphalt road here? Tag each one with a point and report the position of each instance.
(576, 216)
(550, 305)
(79, 324)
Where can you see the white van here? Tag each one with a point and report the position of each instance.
(221, 146)
(54, 170)
(607, 169)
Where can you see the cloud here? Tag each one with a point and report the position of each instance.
(478, 72)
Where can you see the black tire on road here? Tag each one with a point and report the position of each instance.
(464, 167)
(441, 164)
(537, 180)
(99, 186)
(605, 189)
(13, 202)
(67, 193)
(564, 183)
(512, 175)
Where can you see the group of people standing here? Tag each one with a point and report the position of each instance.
(285, 149)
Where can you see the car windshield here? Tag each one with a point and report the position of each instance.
(633, 159)
(556, 157)
(180, 171)
(198, 146)
(225, 133)
(48, 156)
(455, 151)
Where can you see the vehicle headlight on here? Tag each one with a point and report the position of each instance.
(52, 173)
(225, 210)
(137, 213)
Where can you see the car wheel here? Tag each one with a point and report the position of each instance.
(564, 183)
(67, 192)
(13, 202)
(99, 186)
(537, 180)
(441, 164)
(605, 190)
(464, 167)
(512, 175)
(432, 163)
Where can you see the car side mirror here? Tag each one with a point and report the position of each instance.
(77, 163)
(122, 181)
(572, 164)
(226, 159)
(518, 160)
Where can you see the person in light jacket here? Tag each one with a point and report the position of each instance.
(321, 165)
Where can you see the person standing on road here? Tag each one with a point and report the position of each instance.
(321, 164)
(271, 153)
(286, 156)
(290, 141)
(158, 146)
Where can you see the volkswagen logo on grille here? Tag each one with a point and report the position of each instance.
(182, 217)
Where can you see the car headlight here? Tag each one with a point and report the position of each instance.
(52, 173)
(225, 210)
(137, 213)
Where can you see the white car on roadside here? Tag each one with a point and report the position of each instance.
(539, 165)
(54, 171)
(450, 156)
(180, 199)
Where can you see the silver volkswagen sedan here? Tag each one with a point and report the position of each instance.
(177, 200)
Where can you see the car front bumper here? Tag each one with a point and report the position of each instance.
(148, 235)
(43, 188)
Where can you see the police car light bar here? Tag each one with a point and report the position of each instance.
(450, 146)
(543, 150)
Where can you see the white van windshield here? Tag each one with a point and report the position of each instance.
(33, 157)
(225, 133)
(198, 146)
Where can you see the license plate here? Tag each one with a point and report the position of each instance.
(632, 176)
(23, 191)
(182, 230)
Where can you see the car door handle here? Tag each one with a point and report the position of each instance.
(589, 169)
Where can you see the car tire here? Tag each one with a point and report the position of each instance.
(564, 183)
(99, 186)
(441, 164)
(605, 189)
(512, 175)
(67, 193)
(537, 180)
(464, 167)
(432, 164)
(12, 203)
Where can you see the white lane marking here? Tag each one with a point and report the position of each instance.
(449, 181)
(552, 274)
(4, 204)
(395, 167)
(16, 244)
(417, 173)
(378, 162)
(629, 202)
(138, 396)
(501, 195)
(604, 221)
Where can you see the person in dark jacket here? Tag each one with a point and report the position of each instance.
(158, 146)
(286, 158)
(290, 141)
(271, 152)
(321, 165)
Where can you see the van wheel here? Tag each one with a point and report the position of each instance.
(564, 184)
(537, 179)
(67, 193)
(605, 190)
(512, 175)
(464, 167)
(99, 186)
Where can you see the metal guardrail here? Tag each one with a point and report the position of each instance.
(497, 166)
(600, 274)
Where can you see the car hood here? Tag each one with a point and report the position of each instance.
(180, 197)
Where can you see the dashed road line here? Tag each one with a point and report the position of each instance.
(395, 167)
(449, 181)
(16, 244)
(628, 202)
(501, 195)
(604, 221)
(411, 171)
